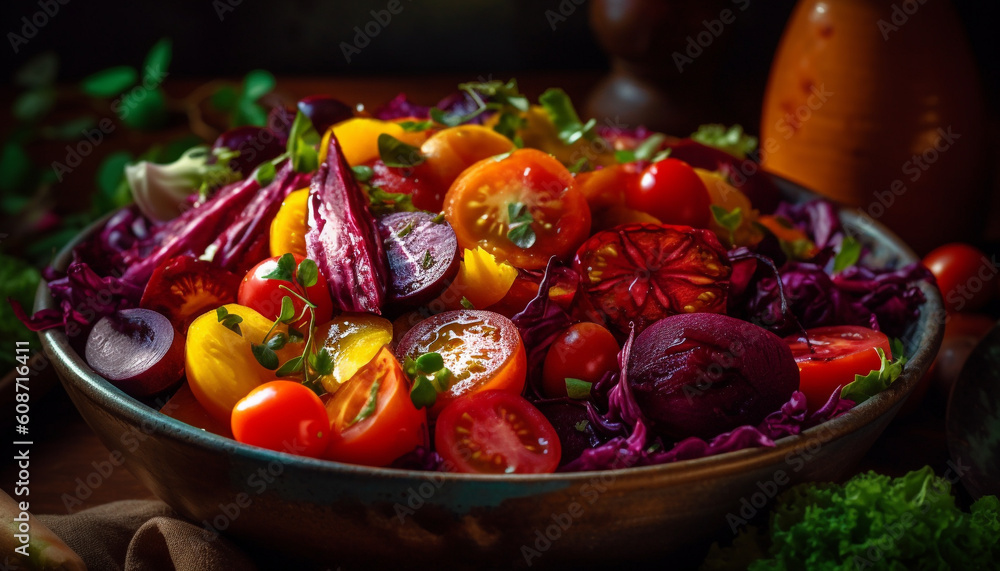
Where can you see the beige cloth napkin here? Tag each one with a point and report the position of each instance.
(142, 535)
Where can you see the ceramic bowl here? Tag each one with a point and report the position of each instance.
(342, 514)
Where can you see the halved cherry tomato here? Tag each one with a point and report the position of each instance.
(182, 288)
(963, 274)
(449, 152)
(353, 339)
(839, 353)
(219, 362)
(585, 351)
(290, 224)
(641, 273)
(671, 191)
(496, 432)
(372, 419)
(529, 189)
(264, 295)
(409, 180)
(282, 415)
(482, 349)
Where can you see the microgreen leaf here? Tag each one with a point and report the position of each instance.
(866, 386)
(423, 393)
(291, 366)
(228, 320)
(581, 426)
(265, 173)
(284, 270)
(582, 165)
(39, 71)
(427, 261)
(301, 146)
(295, 336)
(405, 230)
(396, 153)
(448, 120)
(34, 104)
(578, 389)
(321, 361)
(265, 356)
(383, 202)
(369, 407)
(363, 173)
(438, 219)
(849, 254)
(257, 83)
(519, 230)
(278, 341)
(732, 140)
(730, 220)
(415, 126)
(157, 60)
(287, 310)
(109, 82)
(466, 303)
(307, 273)
(562, 114)
(429, 362)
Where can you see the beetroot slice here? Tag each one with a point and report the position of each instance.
(422, 253)
(137, 350)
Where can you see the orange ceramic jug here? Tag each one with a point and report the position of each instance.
(877, 104)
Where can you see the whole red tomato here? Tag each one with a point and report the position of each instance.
(964, 275)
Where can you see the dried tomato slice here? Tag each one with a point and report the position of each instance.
(642, 273)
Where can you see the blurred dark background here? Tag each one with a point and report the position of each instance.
(304, 38)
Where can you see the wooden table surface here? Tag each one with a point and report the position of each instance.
(66, 452)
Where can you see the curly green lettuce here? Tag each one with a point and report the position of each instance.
(870, 522)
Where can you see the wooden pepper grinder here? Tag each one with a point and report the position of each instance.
(663, 57)
(877, 104)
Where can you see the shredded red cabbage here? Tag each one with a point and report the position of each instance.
(539, 324)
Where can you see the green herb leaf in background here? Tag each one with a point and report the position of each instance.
(849, 254)
(395, 153)
(34, 104)
(109, 82)
(18, 280)
(562, 114)
(157, 60)
(39, 71)
(731, 140)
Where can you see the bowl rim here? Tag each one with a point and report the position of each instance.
(56, 344)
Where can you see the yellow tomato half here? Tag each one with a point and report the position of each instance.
(221, 368)
(352, 340)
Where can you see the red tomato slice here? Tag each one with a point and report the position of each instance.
(523, 209)
(282, 415)
(839, 353)
(641, 273)
(183, 288)
(482, 349)
(496, 432)
(374, 427)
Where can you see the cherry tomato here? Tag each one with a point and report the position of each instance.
(482, 349)
(219, 362)
(607, 187)
(671, 191)
(282, 415)
(840, 352)
(585, 351)
(641, 273)
(523, 209)
(449, 152)
(290, 224)
(372, 419)
(182, 288)
(496, 432)
(963, 274)
(265, 294)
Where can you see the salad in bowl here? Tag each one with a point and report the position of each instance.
(484, 286)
